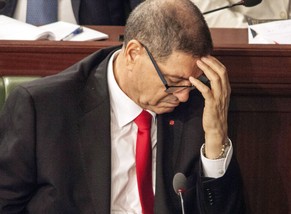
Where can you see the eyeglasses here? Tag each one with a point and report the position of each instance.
(171, 88)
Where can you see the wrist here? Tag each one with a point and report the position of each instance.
(216, 152)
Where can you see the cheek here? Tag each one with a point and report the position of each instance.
(152, 89)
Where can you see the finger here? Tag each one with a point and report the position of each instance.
(218, 67)
(200, 86)
(212, 75)
(221, 71)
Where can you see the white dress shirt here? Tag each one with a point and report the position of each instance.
(124, 190)
(65, 11)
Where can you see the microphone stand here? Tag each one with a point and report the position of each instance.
(182, 201)
(225, 7)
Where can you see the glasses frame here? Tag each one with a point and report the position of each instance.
(172, 88)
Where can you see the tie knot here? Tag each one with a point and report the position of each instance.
(143, 120)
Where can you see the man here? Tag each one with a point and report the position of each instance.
(84, 12)
(236, 17)
(68, 142)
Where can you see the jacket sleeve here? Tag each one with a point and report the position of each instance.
(17, 145)
(224, 194)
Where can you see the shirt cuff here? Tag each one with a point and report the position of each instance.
(216, 168)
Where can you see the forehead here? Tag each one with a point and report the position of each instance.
(180, 64)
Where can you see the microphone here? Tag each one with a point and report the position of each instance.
(2, 4)
(246, 3)
(180, 186)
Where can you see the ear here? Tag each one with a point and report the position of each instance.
(133, 51)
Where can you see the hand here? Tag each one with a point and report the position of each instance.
(216, 104)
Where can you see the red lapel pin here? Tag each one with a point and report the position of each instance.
(171, 122)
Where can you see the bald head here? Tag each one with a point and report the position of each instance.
(165, 26)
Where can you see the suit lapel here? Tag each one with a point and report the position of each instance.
(169, 137)
(180, 135)
(95, 138)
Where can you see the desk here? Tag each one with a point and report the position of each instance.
(260, 109)
(49, 57)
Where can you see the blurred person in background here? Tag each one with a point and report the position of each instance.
(83, 12)
(239, 16)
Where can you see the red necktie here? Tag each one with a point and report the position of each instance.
(144, 162)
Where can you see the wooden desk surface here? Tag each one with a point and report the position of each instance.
(49, 57)
(260, 112)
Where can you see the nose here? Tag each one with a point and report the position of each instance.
(182, 95)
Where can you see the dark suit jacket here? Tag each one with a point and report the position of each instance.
(55, 149)
(91, 12)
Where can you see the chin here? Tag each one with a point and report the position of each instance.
(164, 110)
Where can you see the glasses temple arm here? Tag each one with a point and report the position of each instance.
(157, 67)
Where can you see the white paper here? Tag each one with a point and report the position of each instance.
(275, 32)
(89, 35)
(12, 29)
